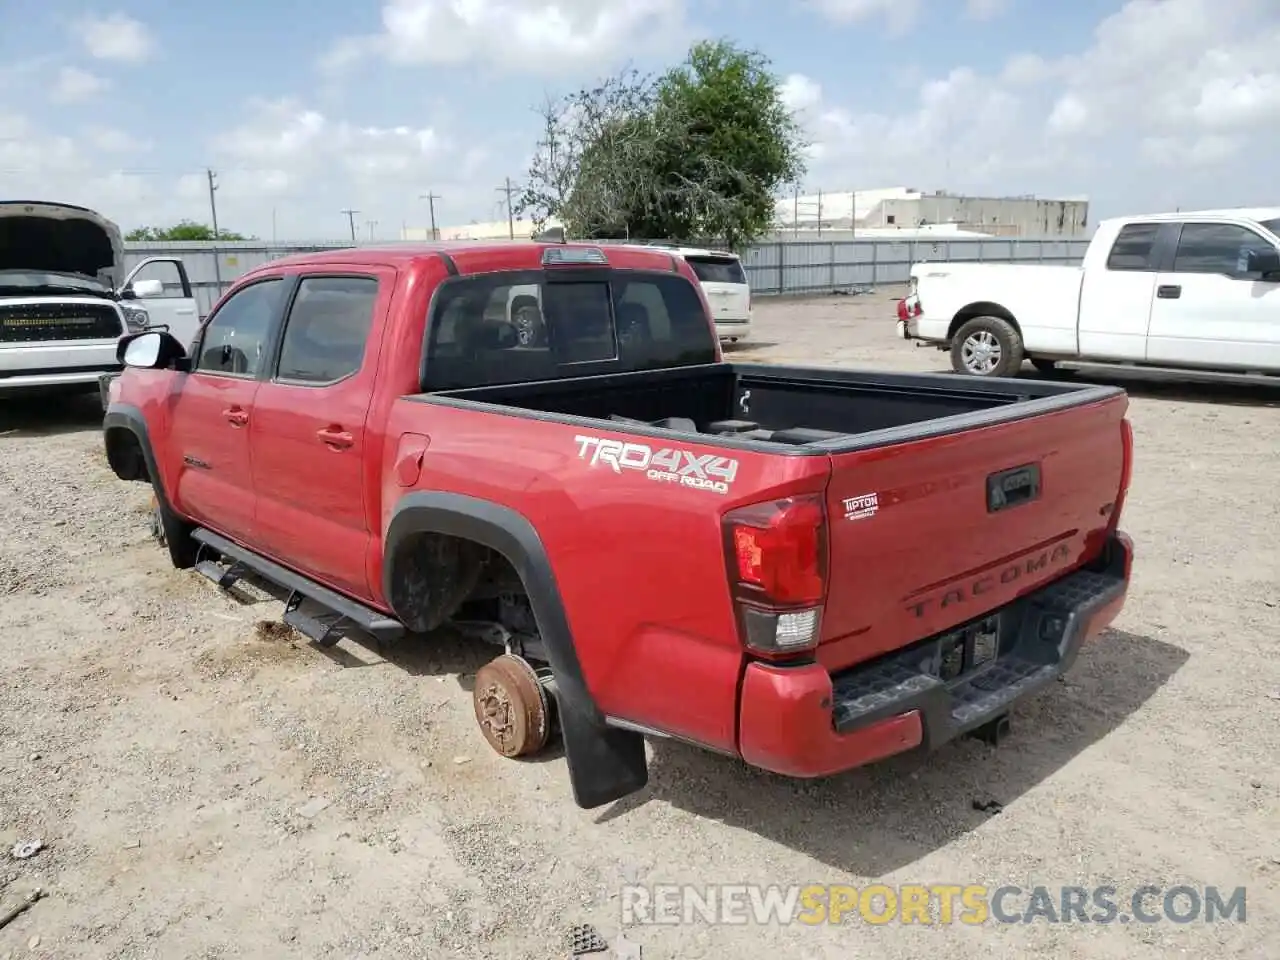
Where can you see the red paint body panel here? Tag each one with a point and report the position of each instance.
(786, 725)
(640, 565)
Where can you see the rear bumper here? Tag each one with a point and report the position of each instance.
(733, 329)
(804, 722)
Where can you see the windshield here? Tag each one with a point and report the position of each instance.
(1273, 226)
(34, 280)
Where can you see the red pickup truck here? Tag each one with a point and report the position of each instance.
(540, 444)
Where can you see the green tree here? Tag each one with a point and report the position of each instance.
(698, 152)
(184, 230)
(736, 140)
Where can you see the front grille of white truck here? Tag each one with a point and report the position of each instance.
(43, 322)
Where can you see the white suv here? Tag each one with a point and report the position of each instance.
(724, 281)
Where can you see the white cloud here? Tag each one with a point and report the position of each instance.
(74, 85)
(115, 36)
(899, 15)
(527, 36)
(1189, 86)
(1168, 103)
(985, 9)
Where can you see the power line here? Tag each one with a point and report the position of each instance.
(351, 219)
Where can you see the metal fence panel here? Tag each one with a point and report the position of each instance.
(773, 268)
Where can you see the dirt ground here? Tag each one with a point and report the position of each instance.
(208, 786)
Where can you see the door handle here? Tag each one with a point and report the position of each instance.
(335, 438)
(236, 416)
(1168, 291)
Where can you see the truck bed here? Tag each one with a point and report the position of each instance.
(779, 409)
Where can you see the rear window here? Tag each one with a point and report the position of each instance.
(718, 269)
(1133, 247)
(516, 327)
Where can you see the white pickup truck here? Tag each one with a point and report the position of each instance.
(65, 300)
(1189, 291)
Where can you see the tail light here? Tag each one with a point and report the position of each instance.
(908, 310)
(1126, 471)
(777, 553)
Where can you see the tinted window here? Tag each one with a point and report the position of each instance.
(717, 269)
(1218, 248)
(234, 337)
(1273, 226)
(514, 327)
(328, 326)
(1133, 247)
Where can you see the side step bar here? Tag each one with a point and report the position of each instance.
(326, 628)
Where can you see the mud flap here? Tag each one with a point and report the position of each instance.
(605, 763)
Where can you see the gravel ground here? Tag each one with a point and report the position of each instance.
(208, 786)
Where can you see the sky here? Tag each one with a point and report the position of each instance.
(304, 110)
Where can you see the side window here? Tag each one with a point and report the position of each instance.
(1219, 248)
(1134, 247)
(327, 329)
(236, 334)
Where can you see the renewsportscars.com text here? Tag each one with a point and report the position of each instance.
(929, 904)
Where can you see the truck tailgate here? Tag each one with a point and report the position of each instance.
(929, 534)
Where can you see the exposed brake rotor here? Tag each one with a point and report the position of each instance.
(511, 706)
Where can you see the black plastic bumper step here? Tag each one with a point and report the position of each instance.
(965, 677)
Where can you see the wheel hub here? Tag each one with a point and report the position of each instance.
(511, 706)
(981, 352)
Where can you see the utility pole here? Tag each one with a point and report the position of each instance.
(795, 213)
(213, 211)
(819, 213)
(370, 224)
(431, 199)
(508, 189)
(351, 220)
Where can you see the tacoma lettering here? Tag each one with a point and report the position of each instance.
(1007, 575)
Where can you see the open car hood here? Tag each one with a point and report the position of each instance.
(60, 238)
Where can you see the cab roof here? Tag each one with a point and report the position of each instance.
(493, 254)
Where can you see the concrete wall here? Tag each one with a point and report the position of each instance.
(788, 267)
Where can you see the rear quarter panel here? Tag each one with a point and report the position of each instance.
(1044, 300)
(640, 564)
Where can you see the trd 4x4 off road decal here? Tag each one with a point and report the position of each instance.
(668, 465)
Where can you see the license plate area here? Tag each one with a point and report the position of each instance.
(968, 649)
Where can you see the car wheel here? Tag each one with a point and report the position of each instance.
(987, 347)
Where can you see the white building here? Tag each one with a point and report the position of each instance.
(905, 207)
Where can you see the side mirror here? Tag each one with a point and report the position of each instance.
(146, 289)
(151, 350)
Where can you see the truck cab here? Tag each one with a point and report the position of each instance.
(1193, 290)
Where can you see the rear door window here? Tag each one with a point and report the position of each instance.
(515, 327)
(717, 269)
(1134, 247)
